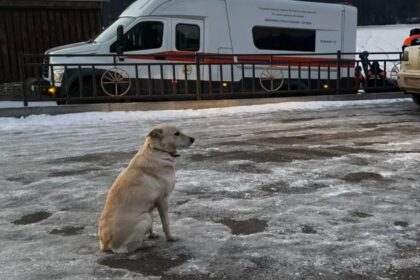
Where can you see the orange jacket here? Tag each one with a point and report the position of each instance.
(408, 40)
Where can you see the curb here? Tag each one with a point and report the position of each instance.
(183, 105)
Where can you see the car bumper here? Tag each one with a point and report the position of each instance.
(409, 81)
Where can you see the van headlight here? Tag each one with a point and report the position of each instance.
(58, 75)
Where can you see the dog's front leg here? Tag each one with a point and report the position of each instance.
(164, 217)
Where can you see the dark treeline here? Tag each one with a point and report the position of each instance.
(112, 9)
(371, 12)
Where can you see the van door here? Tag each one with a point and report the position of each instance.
(187, 38)
(145, 41)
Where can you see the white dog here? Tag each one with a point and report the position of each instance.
(146, 184)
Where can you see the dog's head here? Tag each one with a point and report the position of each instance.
(167, 138)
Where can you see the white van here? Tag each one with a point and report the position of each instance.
(239, 32)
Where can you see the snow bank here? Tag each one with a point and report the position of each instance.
(96, 118)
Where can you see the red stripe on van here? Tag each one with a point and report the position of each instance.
(213, 58)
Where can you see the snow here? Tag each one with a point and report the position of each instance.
(95, 118)
(310, 188)
(383, 38)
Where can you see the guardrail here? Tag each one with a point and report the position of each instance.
(195, 76)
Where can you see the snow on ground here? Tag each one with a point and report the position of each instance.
(311, 190)
(59, 121)
(382, 38)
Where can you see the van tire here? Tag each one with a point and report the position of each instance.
(87, 88)
(416, 99)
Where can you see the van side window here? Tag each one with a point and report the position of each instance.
(187, 37)
(284, 39)
(143, 36)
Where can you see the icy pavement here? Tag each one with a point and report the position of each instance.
(18, 104)
(314, 190)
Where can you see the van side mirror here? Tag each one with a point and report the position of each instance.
(120, 40)
(120, 33)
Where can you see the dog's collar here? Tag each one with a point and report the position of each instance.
(174, 155)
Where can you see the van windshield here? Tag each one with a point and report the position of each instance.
(111, 31)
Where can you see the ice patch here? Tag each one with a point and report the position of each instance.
(341, 191)
(100, 118)
(239, 162)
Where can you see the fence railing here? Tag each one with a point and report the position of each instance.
(188, 76)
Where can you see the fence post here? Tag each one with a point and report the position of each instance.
(198, 75)
(338, 72)
(23, 79)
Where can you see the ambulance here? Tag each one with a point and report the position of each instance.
(176, 40)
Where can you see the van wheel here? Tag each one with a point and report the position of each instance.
(88, 89)
(416, 99)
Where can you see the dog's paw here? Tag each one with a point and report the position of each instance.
(147, 244)
(171, 238)
(120, 250)
(153, 235)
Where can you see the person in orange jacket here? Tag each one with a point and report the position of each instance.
(413, 39)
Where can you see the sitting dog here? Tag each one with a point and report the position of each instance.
(146, 184)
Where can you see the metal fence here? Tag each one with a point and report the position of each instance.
(194, 76)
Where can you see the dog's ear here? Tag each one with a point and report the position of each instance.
(155, 133)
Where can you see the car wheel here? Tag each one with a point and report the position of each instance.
(416, 99)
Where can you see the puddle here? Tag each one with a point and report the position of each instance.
(278, 187)
(308, 229)
(282, 187)
(187, 277)
(23, 179)
(359, 214)
(68, 230)
(361, 176)
(245, 167)
(401, 224)
(146, 264)
(32, 218)
(279, 155)
(245, 227)
(109, 157)
(182, 202)
(63, 173)
(298, 120)
(363, 144)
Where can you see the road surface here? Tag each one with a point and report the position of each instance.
(311, 190)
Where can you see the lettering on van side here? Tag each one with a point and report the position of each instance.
(328, 41)
(288, 21)
(287, 10)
